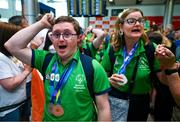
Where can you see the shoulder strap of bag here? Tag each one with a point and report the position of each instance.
(86, 50)
(131, 85)
(112, 58)
(150, 49)
(5, 108)
(46, 62)
(89, 72)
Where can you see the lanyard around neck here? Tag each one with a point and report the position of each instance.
(62, 81)
(127, 58)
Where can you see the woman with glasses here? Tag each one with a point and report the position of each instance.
(130, 77)
(67, 96)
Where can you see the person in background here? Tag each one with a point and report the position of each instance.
(168, 61)
(48, 44)
(177, 43)
(66, 97)
(130, 79)
(100, 51)
(13, 76)
(92, 39)
(168, 32)
(169, 37)
(26, 108)
(18, 20)
(162, 105)
(107, 38)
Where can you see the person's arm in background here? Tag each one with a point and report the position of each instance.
(17, 44)
(167, 60)
(174, 86)
(100, 35)
(12, 83)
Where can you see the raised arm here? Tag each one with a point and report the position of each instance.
(167, 60)
(17, 44)
(100, 35)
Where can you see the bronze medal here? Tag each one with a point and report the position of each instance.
(57, 110)
(50, 108)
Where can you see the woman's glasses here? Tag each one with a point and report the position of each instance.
(133, 21)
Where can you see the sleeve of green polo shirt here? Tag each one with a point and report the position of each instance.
(101, 83)
(92, 49)
(38, 59)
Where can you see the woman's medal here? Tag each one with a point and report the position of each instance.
(124, 81)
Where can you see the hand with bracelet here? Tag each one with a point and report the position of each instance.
(167, 60)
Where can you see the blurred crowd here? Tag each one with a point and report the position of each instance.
(135, 76)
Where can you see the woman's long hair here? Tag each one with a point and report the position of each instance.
(7, 30)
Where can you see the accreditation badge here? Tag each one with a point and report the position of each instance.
(57, 77)
(52, 76)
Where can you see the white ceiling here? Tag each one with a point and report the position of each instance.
(134, 2)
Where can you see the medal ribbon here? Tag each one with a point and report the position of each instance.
(127, 58)
(62, 81)
(54, 71)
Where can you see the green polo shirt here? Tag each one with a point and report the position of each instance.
(143, 82)
(100, 53)
(89, 46)
(75, 98)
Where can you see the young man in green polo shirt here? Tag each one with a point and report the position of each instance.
(66, 92)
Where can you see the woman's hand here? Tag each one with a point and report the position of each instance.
(116, 80)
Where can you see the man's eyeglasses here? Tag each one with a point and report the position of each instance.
(132, 21)
(57, 36)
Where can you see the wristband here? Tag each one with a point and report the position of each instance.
(170, 71)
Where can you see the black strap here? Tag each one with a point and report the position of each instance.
(149, 50)
(112, 59)
(5, 108)
(131, 85)
(87, 50)
(89, 72)
(46, 62)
